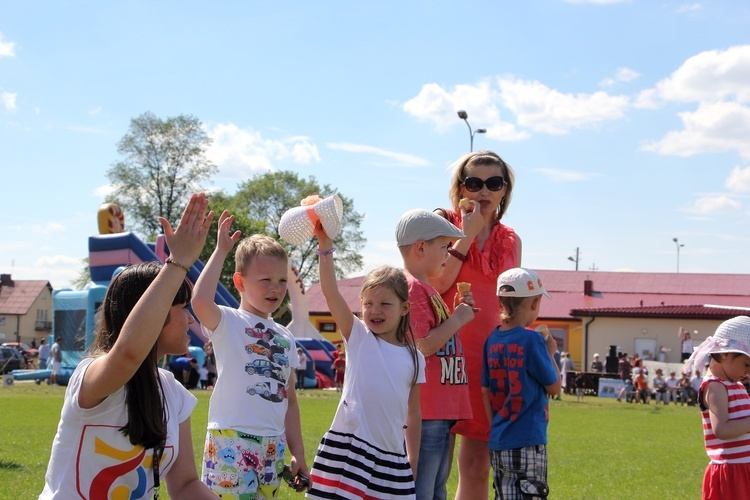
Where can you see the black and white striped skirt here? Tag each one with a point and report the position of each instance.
(348, 467)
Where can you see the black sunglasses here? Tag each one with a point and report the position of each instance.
(474, 184)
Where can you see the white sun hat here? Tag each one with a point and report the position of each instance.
(733, 335)
(297, 224)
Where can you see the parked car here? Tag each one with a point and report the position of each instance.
(11, 359)
(30, 351)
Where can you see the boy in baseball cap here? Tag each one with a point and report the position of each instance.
(423, 238)
(518, 373)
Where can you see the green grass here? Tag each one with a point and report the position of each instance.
(598, 448)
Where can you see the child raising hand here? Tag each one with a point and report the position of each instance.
(363, 452)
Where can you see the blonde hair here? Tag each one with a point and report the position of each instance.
(395, 280)
(252, 246)
(486, 157)
(509, 306)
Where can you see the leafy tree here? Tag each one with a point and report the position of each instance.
(258, 206)
(163, 163)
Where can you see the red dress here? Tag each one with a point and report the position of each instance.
(728, 473)
(481, 269)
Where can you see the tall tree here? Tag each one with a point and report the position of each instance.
(258, 206)
(163, 163)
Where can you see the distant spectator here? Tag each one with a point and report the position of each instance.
(687, 343)
(695, 384)
(624, 368)
(673, 385)
(301, 369)
(43, 354)
(686, 393)
(579, 383)
(179, 367)
(208, 348)
(660, 387)
(203, 376)
(596, 365)
(192, 377)
(626, 391)
(642, 391)
(55, 358)
(339, 366)
(567, 365)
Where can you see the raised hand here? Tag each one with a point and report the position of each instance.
(186, 242)
(225, 242)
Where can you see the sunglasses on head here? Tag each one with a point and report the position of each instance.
(474, 184)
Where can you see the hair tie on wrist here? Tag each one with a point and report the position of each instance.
(170, 260)
(458, 255)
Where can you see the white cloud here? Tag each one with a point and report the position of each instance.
(718, 127)
(622, 75)
(719, 204)
(243, 152)
(709, 77)
(557, 175)
(739, 180)
(535, 106)
(395, 159)
(687, 8)
(95, 111)
(103, 191)
(542, 109)
(7, 49)
(439, 106)
(8, 101)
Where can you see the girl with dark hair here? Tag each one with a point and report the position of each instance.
(362, 455)
(125, 423)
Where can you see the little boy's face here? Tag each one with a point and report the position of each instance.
(263, 285)
(435, 254)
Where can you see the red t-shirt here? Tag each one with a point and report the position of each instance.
(481, 269)
(445, 395)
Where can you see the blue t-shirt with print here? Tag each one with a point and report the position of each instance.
(516, 368)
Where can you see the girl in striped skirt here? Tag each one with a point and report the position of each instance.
(725, 407)
(372, 447)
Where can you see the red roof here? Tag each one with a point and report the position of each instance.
(683, 312)
(18, 297)
(613, 290)
(610, 291)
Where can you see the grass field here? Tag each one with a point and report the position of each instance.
(597, 449)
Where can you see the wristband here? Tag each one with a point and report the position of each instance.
(170, 260)
(323, 253)
(458, 255)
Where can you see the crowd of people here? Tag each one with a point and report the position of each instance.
(462, 300)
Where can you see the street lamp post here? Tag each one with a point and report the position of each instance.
(576, 259)
(464, 116)
(678, 244)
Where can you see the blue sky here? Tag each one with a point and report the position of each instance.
(627, 122)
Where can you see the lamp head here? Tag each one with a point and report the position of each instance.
(462, 114)
(674, 239)
(481, 131)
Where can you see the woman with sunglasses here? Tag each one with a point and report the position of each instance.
(489, 248)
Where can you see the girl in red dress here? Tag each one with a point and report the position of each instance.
(480, 193)
(725, 407)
